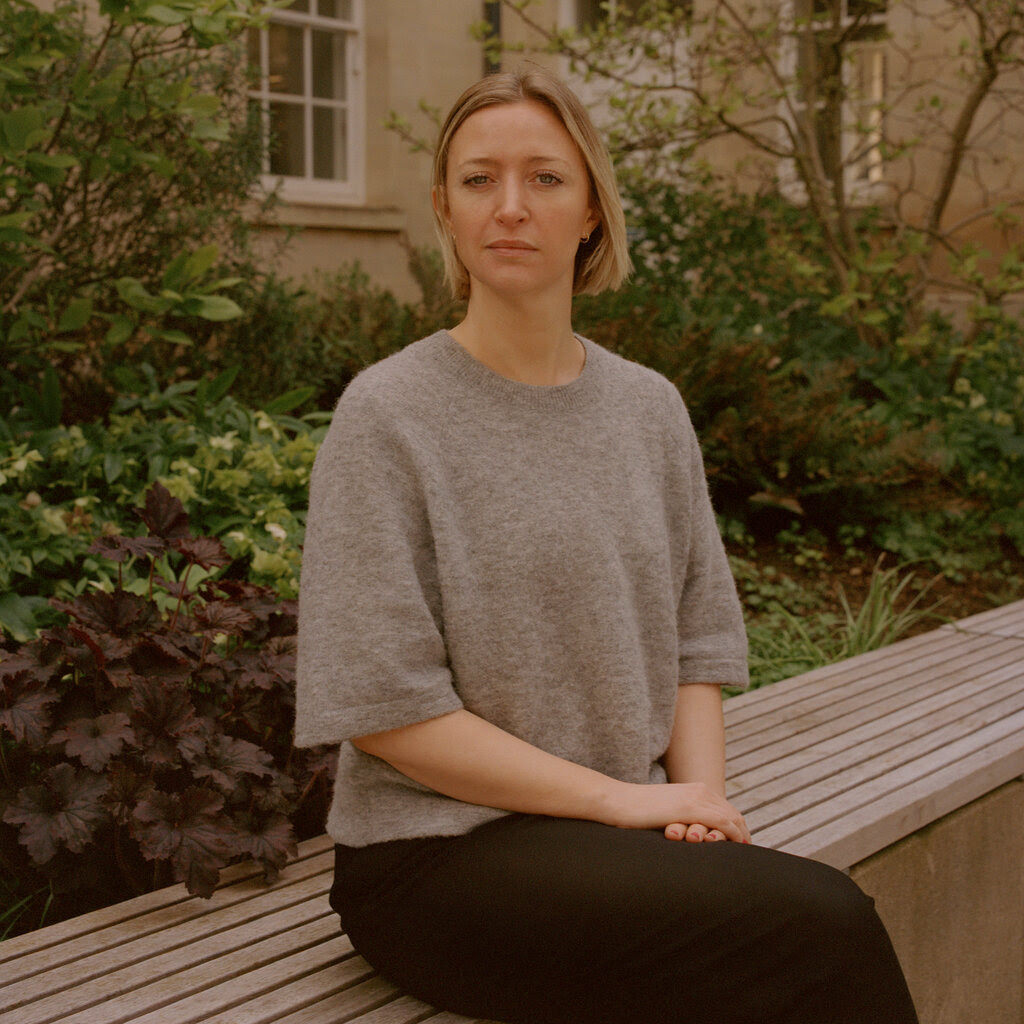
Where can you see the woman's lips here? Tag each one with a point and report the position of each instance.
(510, 244)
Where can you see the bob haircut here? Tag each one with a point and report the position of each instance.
(603, 260)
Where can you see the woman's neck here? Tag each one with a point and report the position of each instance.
(529, 346)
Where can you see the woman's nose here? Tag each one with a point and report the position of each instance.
(512, 206)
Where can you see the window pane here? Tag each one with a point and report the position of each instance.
(286, 59)
(335, 9)
(330, 154)
(287, 139)
(299, 5)
(329, 71)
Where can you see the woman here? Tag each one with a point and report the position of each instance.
(516, 616)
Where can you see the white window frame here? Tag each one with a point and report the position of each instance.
(860, 130)
(306, 188)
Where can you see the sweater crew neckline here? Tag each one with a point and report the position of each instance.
(469, 370)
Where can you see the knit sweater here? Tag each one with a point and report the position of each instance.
(545, 557)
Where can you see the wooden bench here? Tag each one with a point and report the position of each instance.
(886, 765)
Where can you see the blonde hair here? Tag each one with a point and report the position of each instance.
(603, 260)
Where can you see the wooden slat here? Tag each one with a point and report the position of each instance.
(963, 691)
(351, 989)
(895, 804)
(166, 921)
(239, 881)
(400, 1010)
(176, 948)
(861, 688)
(1007, 620)
(880, 822)
(129, 993)
(876, 753)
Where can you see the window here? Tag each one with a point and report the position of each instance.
(841, 84)
(308, 92)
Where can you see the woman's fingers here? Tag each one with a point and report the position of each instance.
(691, 833)
(694, 833)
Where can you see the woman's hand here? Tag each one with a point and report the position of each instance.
(692, 811)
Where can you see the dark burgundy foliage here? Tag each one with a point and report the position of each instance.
(120, 549)
(149, 739)
(164, 516)
(94, 741)
(207, 552)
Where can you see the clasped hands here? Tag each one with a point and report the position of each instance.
(694, 812)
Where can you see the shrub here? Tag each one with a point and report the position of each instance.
(322, 335)
(127, 156)
(243, 475)
(147, 740)
(919, 441)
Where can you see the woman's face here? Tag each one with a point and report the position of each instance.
(518, 200)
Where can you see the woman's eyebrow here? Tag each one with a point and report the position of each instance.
(485, 161)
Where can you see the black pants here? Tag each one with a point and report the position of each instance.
(535, 920)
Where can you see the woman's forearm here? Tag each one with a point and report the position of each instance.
(466, 757)
(696, 751)
(469, 759)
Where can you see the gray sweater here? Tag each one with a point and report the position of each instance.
(545, 557)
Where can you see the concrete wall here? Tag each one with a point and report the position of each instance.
(952, 897)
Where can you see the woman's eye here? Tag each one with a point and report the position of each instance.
(476, 179)
(547, 178)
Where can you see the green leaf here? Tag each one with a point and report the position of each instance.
(201, 105)
(201, 261)
(211, 392)
(76, 316)
(288, 401)
(874, 317)
(163, 15)
(16, 220)
(113, 466)
(17, 128)
(175, 337)
(121, 329)
(50, 170)
(211, 131)
(133, 292)
(50, 404)
(215, 307)
(17, 615)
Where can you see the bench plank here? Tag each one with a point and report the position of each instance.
(872, 751)
(67, 941)
(164, 952)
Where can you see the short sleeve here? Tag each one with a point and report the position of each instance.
(371, 653)
(710, 627)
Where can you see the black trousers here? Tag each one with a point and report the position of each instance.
(534, 920)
